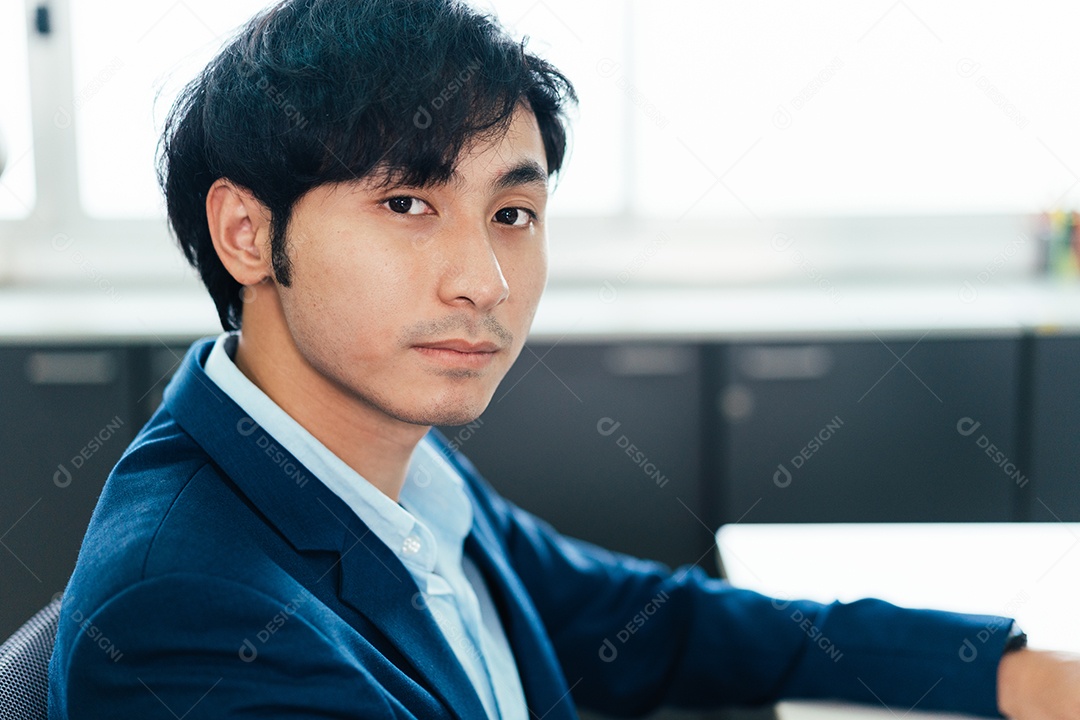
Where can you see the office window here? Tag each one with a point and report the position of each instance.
(853, 108)
(717, 112)
(586, 41)
(130, 61)
(17, 183)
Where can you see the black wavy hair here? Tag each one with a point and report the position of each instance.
(311, 92)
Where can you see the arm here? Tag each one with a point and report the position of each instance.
(634, 635)
(190, 643)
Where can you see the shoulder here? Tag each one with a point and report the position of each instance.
(183, 639)
(166, 508)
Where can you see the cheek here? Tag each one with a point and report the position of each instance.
(526, 274)
(525, 296)
(348, 299)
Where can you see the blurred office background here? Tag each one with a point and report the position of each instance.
(809, 262)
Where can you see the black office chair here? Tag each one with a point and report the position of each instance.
(24, 666)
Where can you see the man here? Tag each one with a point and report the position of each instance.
(362, 186)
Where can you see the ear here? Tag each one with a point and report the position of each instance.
(240, 228)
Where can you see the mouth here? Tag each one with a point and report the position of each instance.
(459, 353)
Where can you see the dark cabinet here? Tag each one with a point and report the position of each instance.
(642, 447)
(1055, 430)
(603, 441)
(897, 430)
(66, 415)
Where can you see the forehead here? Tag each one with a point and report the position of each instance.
(515, 159)
(514, 156)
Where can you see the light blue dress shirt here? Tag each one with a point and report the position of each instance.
(426, 531)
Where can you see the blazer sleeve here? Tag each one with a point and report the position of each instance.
(188, 643)
(639, 635)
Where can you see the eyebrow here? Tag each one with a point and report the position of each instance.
(527, 172)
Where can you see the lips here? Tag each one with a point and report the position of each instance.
(461, 346)
(459, 354)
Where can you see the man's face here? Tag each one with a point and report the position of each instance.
(416, 301)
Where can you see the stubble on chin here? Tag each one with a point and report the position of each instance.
(442, 412)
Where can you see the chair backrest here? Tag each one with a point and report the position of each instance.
(24, 666)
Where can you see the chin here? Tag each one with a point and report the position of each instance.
(450, 409)
(455, 419)
(441, 416)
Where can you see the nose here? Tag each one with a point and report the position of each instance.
(471, 274)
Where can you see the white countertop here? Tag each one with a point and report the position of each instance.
(604, 310)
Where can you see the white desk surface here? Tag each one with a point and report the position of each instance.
(842, 711)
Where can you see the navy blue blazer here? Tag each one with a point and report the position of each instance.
(220, 578)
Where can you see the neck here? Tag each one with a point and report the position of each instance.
(376, 446)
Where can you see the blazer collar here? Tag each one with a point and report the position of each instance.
(311, 517)
(283, 490)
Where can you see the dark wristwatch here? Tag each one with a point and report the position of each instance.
(1016, 639)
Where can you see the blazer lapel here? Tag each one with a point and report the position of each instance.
(311, 517)
(282, 489)
(378, 586)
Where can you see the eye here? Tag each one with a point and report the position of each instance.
(405, 205)
(516, 217)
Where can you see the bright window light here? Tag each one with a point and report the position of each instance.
(17, 183)
(131, 59)
(586, 41)
(847, 107)
(689, 108)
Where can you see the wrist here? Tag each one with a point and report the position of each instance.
(1011, 680)
(1012, 670)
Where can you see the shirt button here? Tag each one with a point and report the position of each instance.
(411, 545)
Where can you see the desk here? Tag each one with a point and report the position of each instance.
(841, 711)
(1029, 571)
